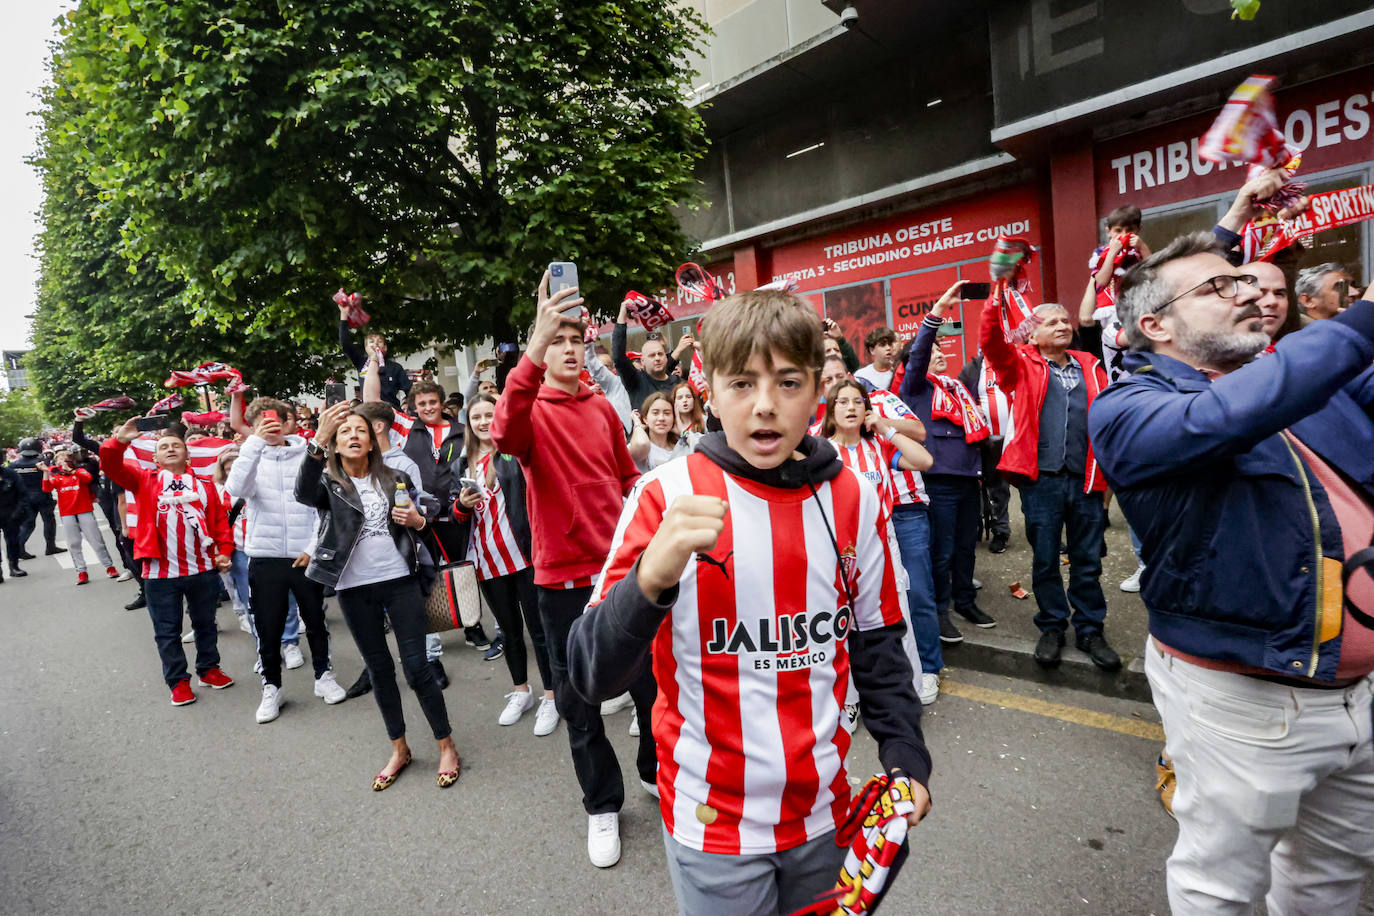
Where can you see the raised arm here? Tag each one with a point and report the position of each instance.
(614, 388)
(372, 378)
(237, 421)
(112, 458)
(997, 351)
(618, 358)
(350, 349)
(80, 438)
(1140, 432)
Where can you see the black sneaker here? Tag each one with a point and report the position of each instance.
(137, 603)
(1103, 655)
(25, 555)
(361, 686)
(476, 637)
(998, 544)
(496, 649)
(53, 549)
(974, 615)
(440, 675)
(948, 631)
(1049, 647)
(16, 572)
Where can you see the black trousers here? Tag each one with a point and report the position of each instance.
(365, 607)
(111, 511)
(512, 599)
(126, 551)
(271, 582)
(32, 511)
(10, 528)
(594, 760)
(996, 492)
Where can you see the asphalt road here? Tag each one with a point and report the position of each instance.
(113, 801)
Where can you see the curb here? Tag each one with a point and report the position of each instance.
(1015, 657)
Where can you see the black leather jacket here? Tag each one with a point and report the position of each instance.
(341, 521)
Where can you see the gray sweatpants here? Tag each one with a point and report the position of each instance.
(758, 885)
(74, 528)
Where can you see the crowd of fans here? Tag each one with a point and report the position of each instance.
(759, 563)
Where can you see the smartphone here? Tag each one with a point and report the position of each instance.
(975, 291)
(467, 483)
(270, 415)
(563, 274)
(151, 424)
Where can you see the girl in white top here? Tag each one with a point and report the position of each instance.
(868, 443)
(655, 440)
(689, 420)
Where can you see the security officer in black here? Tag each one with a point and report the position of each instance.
(35, 501)
(11, 514)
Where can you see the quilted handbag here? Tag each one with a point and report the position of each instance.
(454, 601)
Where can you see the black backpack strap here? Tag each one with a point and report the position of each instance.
(1361, 559)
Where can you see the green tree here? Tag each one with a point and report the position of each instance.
(431, 154)
(20, 416)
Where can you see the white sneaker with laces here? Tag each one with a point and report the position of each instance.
(518, 702)
(270, 707)
(189, 635)
(615, 704)
(328, 689)
(545, 717)
(930, 688)
(1132, 584)
(851, 716)
(244, 625)
(291, 655)
(634, 724)
(603, 839)
(125, 576)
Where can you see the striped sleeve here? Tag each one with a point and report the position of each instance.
(639, 520)
(876, 600)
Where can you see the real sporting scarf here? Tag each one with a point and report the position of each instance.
(1125, 259)
(650, 313)
(950, 400)
(204, 374)
(171, 402)
(1007, 267)
(122, 402)
(354, 303)
(1246, 131)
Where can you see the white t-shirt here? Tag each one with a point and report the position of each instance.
(374, 557)
(874, 377)
(1113, 342)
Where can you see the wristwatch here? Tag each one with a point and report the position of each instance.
(313, 450)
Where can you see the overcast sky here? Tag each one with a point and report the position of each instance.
(24, 40)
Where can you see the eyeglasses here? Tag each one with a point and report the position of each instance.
(1225, 286)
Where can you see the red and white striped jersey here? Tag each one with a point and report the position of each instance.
(182, 528)
(995, 402)
(753, 661)
(493, 547)
(872, 458)
(201, 454)
(402, 425)
(241, 523)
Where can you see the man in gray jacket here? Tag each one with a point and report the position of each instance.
(280, 530)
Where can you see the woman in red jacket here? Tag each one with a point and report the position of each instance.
(75, 506)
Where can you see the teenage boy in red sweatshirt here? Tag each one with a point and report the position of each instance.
(571, 445)
(755, 576)
(183, 540)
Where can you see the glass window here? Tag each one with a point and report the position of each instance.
(1160, 227)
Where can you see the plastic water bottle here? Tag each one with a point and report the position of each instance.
(402, 496)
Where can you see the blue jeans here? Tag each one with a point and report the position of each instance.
(1055, 506)
(912, 526)
(164, 597)
(955, 505)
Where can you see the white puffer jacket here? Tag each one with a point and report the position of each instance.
(265, 476)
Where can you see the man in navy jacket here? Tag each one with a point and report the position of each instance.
(1251, 484)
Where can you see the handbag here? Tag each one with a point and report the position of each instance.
(454, 601)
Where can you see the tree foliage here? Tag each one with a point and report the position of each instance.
(20, 416)
(254, 155)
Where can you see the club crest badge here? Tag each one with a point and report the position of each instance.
(849, 567)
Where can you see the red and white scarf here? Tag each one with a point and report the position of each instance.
(950, 400)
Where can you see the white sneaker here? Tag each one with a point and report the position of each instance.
(270, 707)
(189, 635)
(545, 717)
(649, 787)
(615, 704)
(518, 702)
(603, 839)
(850, 719)
(244, 625)
(930, 688)
(1132, 584)
(292, 656)
(634, 724)
(328, 689)
(125, 576)
(977, 584)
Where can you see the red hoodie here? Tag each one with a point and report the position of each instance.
(73, 491)
(577, 470)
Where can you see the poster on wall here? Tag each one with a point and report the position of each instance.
(857, 309)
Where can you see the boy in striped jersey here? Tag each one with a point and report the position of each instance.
(756, 575)
(183, 540)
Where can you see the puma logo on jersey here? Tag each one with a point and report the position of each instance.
(718, 564)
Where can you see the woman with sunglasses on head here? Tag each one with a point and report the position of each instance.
(367, 550)
(499, 546)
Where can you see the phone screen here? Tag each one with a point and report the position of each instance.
(151, 424)
(975, 290)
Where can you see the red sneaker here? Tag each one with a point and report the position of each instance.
(215, 678)
(111, 572)
(181, 693)
(82, 578)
